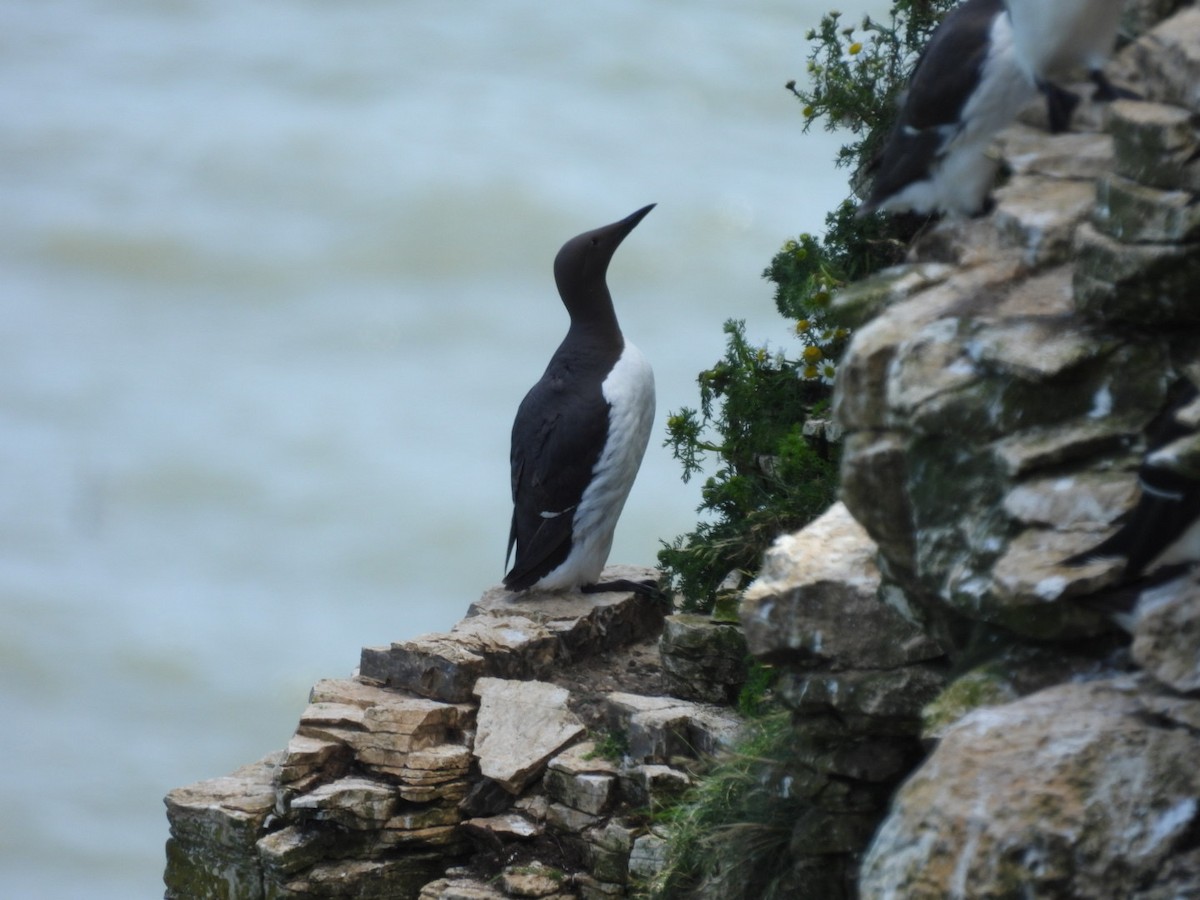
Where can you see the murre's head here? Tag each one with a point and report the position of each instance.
(582, 263)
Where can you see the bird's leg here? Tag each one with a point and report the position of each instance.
(1060, 105)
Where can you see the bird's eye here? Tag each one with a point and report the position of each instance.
(595, 241)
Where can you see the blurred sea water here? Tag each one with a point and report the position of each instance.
(274, 278)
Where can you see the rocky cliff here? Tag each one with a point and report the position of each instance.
(996, 400)
(465, 764)
(971, 723)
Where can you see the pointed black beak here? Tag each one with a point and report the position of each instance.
(630, 221)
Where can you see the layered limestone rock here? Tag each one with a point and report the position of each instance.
(435, 755)
(996, 399)
(857, 674)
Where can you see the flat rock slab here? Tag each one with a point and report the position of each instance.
(517, 636)
(504, 827)
(446, 666)
(585, 624)
(815, 603)
(352, 802)
(227, 811)
(521, 725)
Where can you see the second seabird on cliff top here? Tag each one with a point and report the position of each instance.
(966, 86)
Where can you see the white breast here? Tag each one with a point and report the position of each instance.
(629, 390)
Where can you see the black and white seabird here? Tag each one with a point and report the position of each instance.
(580, 432)
(1054, 38)
(1160, 537)
(967, 85)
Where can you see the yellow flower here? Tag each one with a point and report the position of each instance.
(812, 355)
(810, 372)
(802, 326)
(855, 48)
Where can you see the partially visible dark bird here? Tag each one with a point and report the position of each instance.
(1160, 537)
(1054, 38)
(581, 431)
(967, 85)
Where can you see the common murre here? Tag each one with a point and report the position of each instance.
(581, 431)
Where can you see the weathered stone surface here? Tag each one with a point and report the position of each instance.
(1038, 215)
(1164, 64)
(521, 725)
(812, 583)
(585, 791)
(1039, 448)
(861, 301)
(590, 888)
(226, 811)
(874, 475)
(581, 780)
(659, 728)
(1030, 577)
(343, 717)
(609, 846)
(353, 802)
(449, 791)
(1137, 214)
(1166, 636)
(584, 624)
(393, 730)
(297, 847)
(444, 764)
(895, 695)
(703, 660)
(1086, 500)
(1155, 145)
(861, 387)
(647, 857)
(509, 635)
(460, 889)
(531, 881)
(200, 873)
(1081, 790)
(566, 819)
(388, 879)
(446, 666)
(308, 756)
(1143, 284)
(653, 785)
(510, 826)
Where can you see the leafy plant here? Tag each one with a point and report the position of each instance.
(773, 474)
(856, 73)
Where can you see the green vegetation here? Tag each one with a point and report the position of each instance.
(732, 830)
(755, 696)
(772, 475)
(610, 745)
(733, 834)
